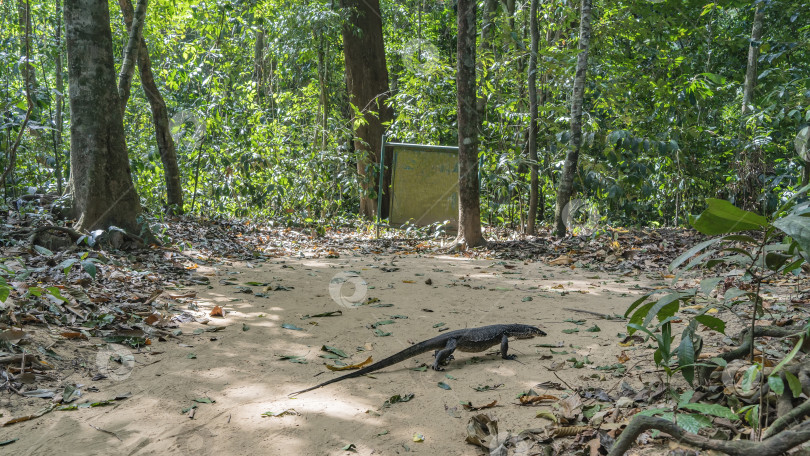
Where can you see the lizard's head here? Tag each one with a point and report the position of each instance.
(528, 332)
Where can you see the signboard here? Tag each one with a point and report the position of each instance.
(424, 184)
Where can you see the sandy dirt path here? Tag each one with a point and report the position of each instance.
(241, 370)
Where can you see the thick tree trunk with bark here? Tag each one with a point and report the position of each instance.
(160, 118)
(532, 143)
(753, 55)
(469, 208)
(566, 186)
(367, 81)
(103, 193)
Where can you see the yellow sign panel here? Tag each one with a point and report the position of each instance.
(424, 186)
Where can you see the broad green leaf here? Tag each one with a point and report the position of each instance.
(775, 260)
(334, 350)
(797, 227)
(686, 356)
(89, 267)
(749, 376)
(712, 409)
(722, 217)
(712, 323)
(43, 251)
(689, 253)
(794, 384)
(789, 356)
(776, 384)
(707, 285)
(665, 307)
(66, 265)
(691, 422)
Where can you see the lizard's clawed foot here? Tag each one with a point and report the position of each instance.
(436, 367)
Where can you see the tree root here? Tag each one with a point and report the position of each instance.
(771, 446)
(744, 349)
(74, 235)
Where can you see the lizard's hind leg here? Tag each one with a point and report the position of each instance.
(444, 355)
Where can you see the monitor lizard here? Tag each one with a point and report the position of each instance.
(466, 340)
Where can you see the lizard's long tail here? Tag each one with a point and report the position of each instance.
(409, 352)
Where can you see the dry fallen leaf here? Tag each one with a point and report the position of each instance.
(217, 311)
(526, 400)
(351, 366)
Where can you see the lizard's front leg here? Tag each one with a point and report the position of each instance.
(505, 348)
(444, 355)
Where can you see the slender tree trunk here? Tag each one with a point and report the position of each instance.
(570, 167)
(26, 68)
(258, 65)
(487, 29)
(469, 207)
(160, 118)
(533, 180)
(131, 55)
(751, 166)
(103, 193)
(367, 80)
(753, 55)
(60, 90)
(323, 81)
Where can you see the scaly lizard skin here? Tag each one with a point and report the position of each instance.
(466, 340)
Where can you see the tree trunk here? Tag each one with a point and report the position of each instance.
(533, 180)
(367, 81)
(26, 67)
(469, 209)
(753, 55)
(103, 193)
(160, 119)
(487, 29)
(570, 168)
(323, 82)
(60, 90)
(131, 55)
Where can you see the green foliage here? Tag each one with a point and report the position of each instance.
(663, 125)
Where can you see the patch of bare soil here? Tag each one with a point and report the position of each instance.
(221, 387)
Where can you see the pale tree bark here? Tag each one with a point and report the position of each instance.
(60, 90)
(566, 186)
(103, 193)
(323, 81)
(469, 208)
(160, 118)
(532, 146)
(753, 55)
(367, 82)
(131, 55)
